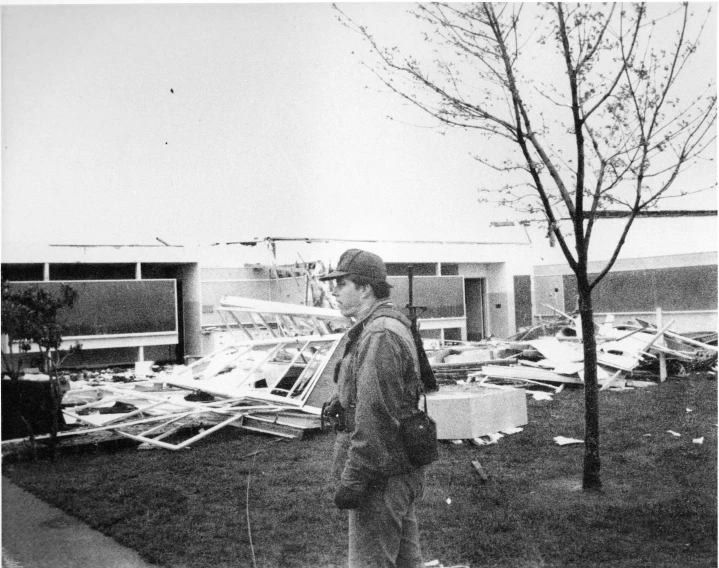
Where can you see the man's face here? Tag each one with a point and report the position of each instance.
(349, 296)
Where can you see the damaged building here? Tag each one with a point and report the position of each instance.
(250, 336)
(160, 303)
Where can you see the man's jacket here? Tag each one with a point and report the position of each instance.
(378, 383)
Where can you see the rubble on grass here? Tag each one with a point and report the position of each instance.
(551, 353)
(273, 378)
(277, 372)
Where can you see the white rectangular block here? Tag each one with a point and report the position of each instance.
(462, 414)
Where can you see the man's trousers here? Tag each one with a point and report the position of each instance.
(383, 532)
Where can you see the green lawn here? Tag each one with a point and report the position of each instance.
(191, 508)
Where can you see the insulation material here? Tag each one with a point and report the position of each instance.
(558, 351)
(463, 414)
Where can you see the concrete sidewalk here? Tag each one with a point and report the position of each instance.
(36, 535)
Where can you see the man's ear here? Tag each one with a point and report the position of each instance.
(366, 291)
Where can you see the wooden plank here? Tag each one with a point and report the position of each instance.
(607, 383)
(662, 356)
(686, 340)
(480, 471)
(268, 427)
(690, 341)
(498, 371)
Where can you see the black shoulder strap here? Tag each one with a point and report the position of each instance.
(429, 382)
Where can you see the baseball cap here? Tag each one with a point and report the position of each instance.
(359, 263)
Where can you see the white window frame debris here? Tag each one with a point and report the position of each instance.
(241, 384)
(296, 343)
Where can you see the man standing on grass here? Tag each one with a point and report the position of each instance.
(378, 383)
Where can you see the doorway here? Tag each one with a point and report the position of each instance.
(474, 300)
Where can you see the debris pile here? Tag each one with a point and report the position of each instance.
(273, 377)
(628, 355)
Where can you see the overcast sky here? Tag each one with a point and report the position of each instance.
(198, 124)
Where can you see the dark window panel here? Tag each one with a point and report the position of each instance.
(449, 269)
(114, 271)
(672, 289)
(523, 301)
(453, 334)
(418, 268)
(22, 272)
(108, 308)
(443, 296)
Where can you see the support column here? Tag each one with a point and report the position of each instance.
(138, 276)
(46, 272)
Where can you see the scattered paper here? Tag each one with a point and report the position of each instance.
(538, 395)
(698, 440)
(487, 440)
(457, 442)
(432, 563)
(449, 501)
(689, 409)
(673, 433)
(512, 430)
(562, 441)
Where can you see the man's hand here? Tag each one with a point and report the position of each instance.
(332, 415)
(346, 498)
(332, 408)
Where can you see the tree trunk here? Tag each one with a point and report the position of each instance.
(591, 480)
(55, 402)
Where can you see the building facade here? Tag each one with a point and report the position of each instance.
(159, 303)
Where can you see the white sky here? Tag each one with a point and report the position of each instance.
(270, 130)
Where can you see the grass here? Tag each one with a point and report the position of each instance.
(189, 509)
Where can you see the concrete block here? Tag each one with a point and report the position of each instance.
(462, 414)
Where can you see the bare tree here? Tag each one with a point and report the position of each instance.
(588, 106)
(31, 316)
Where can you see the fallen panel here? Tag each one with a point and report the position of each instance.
(284, 370)
(622, 362)
(260, 319)
(558, 351)
(516, 372)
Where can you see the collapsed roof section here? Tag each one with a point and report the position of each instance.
(282, 354)
(273, 378)
(247, 318)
